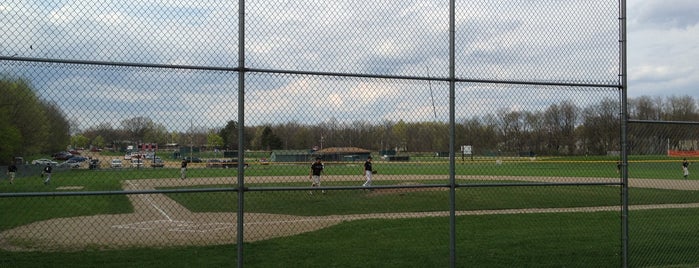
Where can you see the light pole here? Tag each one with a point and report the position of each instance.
(321, 141)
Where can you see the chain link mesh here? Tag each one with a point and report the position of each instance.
(141, 89)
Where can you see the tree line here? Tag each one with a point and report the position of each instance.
(28, 124)
(561, 129)
(31, 126)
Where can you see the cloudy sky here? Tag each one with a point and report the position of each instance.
(516, 40)
(663, 49)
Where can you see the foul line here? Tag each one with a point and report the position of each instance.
(150, 201)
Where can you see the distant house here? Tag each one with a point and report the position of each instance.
(290, 156)
(343, 154)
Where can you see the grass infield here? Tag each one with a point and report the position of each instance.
(530, 240)
(659, 237)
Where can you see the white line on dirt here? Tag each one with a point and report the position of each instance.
(150, 201)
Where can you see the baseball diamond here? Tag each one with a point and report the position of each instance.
(159, 221)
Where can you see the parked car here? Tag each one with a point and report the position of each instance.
(18, 160)
(216, 163)
(62, 156)
(116, 163)
(157, 162)
(44, 161)
(192, 159)
(69, 164)
(213, 163)
(77, 158)
(127, 157)
(136, 162)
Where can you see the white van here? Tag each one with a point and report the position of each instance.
(136, 162)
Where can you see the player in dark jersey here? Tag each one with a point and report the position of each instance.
(314, 175)
(46, 172)
(183, 169)
(367, 171)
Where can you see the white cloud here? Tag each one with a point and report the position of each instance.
(519, 41)
(666, 14)
(662, 48)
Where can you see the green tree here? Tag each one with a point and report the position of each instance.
(27, 115)
(229, 134)
(10, 139)
(98, 142)
(58, 126)
(156, 133)
(79, 141)
(109, 135)
(213, 140)
(27, 122)
(400, 133)
(265, 139)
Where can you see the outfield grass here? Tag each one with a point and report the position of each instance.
(639, 167)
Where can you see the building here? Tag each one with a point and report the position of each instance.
(290, 156)
(343, 154)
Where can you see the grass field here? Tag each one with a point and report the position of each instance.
(557, 240)
(658, 237)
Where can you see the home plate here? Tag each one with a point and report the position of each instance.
(176, 226)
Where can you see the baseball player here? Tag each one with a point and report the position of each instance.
(314, 175)
(367, 171)
(11, 171)
(47, 172)
(183, 169)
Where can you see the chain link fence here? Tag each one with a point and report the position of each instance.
(184, 134)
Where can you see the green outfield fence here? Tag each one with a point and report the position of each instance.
(510, 118)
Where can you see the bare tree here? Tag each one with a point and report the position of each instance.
(137, 127)
(601, 127)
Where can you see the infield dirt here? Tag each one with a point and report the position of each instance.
(158, 221)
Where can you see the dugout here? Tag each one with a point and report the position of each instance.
(290, 156)
(388, 152)
(343, 154)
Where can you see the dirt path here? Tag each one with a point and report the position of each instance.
(160, 221)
